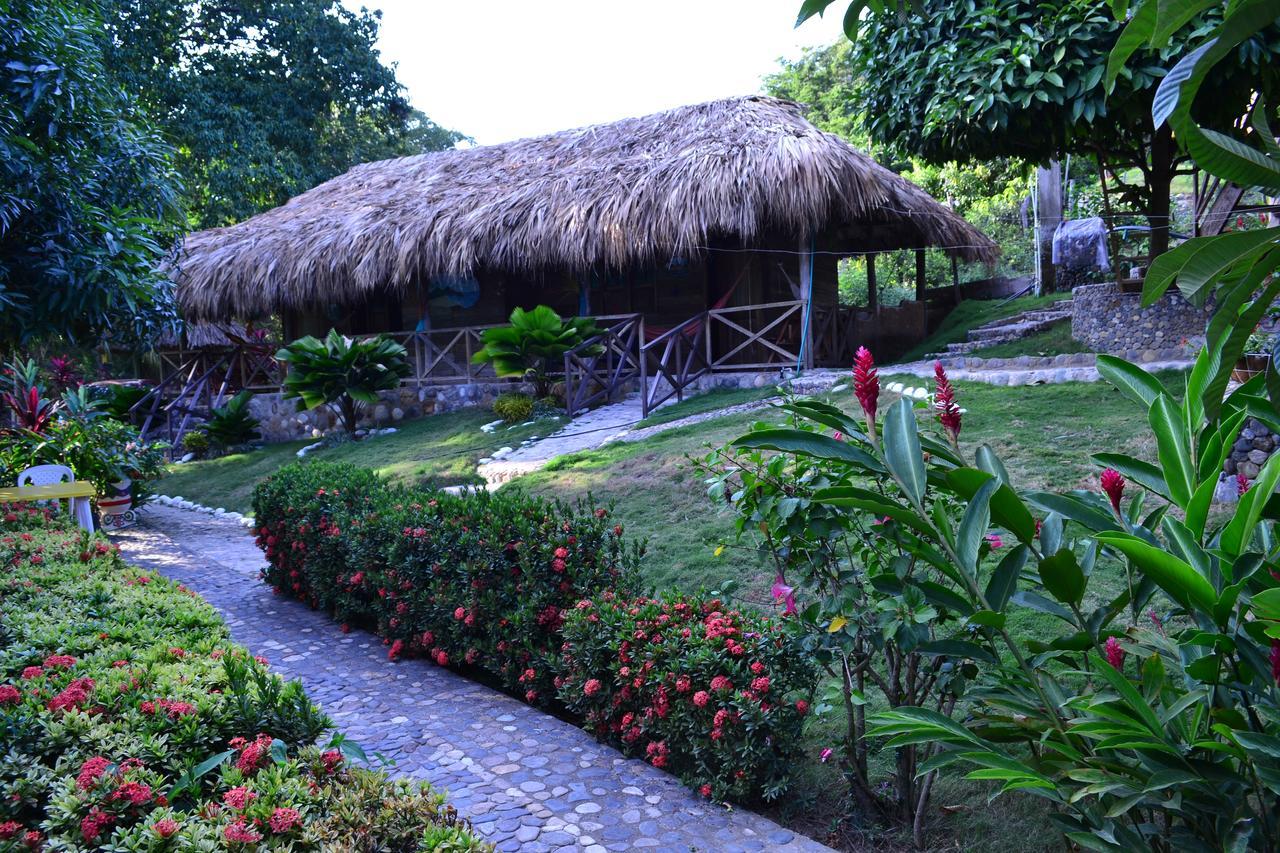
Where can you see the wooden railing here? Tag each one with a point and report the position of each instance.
(443, 356)
(673, 361)
(194, 389)
(599, 368)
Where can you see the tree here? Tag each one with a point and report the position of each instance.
(87, 194)
(263, 100)
(1019, 78)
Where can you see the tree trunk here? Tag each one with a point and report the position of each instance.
(348, 414)
(1159, 187)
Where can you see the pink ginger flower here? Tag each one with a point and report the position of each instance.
(782, 592)
(1242, 483)
(866, 382)
(994, 540)
(1115, 654)
(944, 400)
(1113, 486)
(826, 755)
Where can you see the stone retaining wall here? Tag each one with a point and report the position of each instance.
(280, 419)
(1108, 320)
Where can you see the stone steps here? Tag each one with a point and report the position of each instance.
(1008, 329)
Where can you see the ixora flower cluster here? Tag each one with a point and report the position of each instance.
(693, 686)
(144, 728)
(489, 583)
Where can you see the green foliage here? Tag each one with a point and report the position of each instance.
(513, 407)
(87, 195)
(263, 100)
(343, 373)
(731, 696)
(119, 694)
(119, 399)
(231, 424)
(534, 345)
(196, 442)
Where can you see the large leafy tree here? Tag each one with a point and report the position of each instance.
(949, 80)
(87, 195)
(263, 100)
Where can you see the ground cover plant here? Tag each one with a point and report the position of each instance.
(131, 722)
(540, 599)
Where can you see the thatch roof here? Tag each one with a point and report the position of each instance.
(608, 196)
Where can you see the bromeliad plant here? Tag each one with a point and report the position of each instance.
(343, 373)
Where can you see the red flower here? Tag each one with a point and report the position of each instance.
(683, 684)
(701, 698)
(9, 695)
(721, 682)
(32, 672)
(761, 684)
(562, 552)
(165, 827)
(944, 401)
(592, 687)
(238, 798)
(59, 661)
(240, 832)
(1115, 654)
(705, 791)
(802, 707)
(332, 759)
(1113, 486)
(94, 823)
(1242, 483)
(9, 829)
(396, 649)
(284, 820)
(91, 771)
(866, 383)
(657, 753)
(136, 793)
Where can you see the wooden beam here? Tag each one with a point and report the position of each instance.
(920, 276)
(806, 300)
(955, 278)
(873, 295)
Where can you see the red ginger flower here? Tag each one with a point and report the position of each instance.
(1115, 654)
(1113, 486)
(866, 383)
(944, 400)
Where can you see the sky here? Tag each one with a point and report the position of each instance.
(498, 70)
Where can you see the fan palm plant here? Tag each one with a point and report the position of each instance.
(343, 373)
(534, 342)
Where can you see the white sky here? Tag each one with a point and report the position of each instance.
(503, 69)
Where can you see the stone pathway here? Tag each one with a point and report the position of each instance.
(1028, 370)
(527, 780)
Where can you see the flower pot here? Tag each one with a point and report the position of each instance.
(1249, 366)
(116, 509)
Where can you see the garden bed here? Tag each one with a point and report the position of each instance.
(133, 722)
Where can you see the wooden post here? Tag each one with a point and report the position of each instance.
(955, 278)
(873, 296)
(1048, 217)
(806, 304)
(920, 278)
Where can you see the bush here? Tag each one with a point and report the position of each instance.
(713, 695)
(513, 407)
(196, 442)
(231, 424)
(128, 718)
(533, 346)
(99, 450)
(343, 373)
(485, 583)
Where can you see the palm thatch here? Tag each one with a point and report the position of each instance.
(608, 196)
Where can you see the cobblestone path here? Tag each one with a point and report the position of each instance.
(527, 780)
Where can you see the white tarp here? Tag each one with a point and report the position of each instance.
(1081, 243)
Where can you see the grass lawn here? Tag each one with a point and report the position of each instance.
(721, 398)
(1052, 341)
(972, 313)
(440, 450)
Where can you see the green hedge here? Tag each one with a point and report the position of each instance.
(131, 722)
(487, 583)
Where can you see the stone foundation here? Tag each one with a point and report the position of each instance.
(1108, 320)
(1251, 450)
(280, 419)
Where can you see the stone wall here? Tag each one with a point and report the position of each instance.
(1108, 320)
(280, 419)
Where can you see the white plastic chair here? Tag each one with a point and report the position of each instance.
(51, 475)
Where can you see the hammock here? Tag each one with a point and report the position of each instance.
(691, 330)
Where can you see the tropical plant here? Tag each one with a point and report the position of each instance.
(534, 345)
(342, 373)
(232, 424)
(28, 410)
(513, 407)
(119, 400)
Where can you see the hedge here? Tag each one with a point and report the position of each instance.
(131, 722)
(514, 589)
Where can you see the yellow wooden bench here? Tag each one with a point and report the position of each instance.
(77, 493)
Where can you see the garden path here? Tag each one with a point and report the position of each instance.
(528, 781)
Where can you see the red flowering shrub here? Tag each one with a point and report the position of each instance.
(112, 691)
(711, 694)
(481, 580)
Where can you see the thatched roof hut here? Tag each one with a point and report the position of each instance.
(606, 197)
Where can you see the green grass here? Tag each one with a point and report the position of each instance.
(972, 313)
(1052, 341)
(435, 451)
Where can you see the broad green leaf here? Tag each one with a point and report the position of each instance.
(1173, 448)
(853, 497)
(1236, 535)
(810, 444)
(1004, 580)
(1075, 509)
(1142, 473)
(1183, 583)
(1136, 34)
(902, 450)
(1201, 260)
(1039, 602)
(974, 524)
(1062, 576)
(1007, 508)
(1129, 379)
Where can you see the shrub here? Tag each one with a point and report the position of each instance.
(343, 373)
(231, 424)
(196, 442)
(533, 346)
(485, 583)
(99, 450)
(713, 695)
(129, 718)
(513, 407)
(477, 580)
(119, 399)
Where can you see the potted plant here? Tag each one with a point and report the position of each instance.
(1257, 352)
